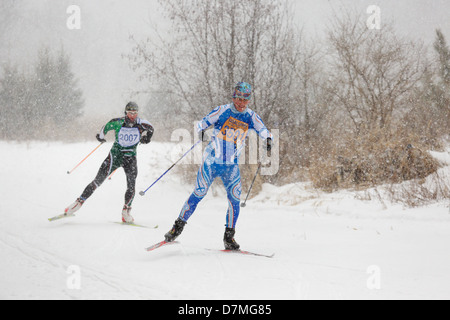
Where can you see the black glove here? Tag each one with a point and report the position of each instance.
(98, 138)
(146, 136)
(203, 136)
(269, 144)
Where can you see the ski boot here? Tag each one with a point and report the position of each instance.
(175, 231)
(74, 207)
(228, 240)
(126, 216)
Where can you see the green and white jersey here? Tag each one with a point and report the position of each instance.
(128, 134)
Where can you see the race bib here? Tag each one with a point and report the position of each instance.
(128, 137)
(233, 130)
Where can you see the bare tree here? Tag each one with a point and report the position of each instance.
(313, 101)
(214, 44)
(376, 77)
(376, 71)
(211, 45)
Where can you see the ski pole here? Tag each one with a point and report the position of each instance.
(142, 193)
(110, 176)
(69, 172)
(251, 186)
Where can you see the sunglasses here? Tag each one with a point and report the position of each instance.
(133, 113)
(239, 94)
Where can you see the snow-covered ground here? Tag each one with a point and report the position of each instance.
(327, 246)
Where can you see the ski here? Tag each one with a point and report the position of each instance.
(160, 244)
(250, 253)
(132, 224)
(246, 253)
(61, 216)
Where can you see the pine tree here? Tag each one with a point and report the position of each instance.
(440, 45)
(7, 99)
(440, 87)
(58, 98)
(44, 87)
(34, 106)
(68, 98)
(14, 97)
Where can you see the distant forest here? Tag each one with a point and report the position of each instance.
(40, 104)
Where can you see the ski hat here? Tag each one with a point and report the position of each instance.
(242, 90)
(131, 106)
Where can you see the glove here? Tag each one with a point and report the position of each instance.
(203, 136)
(269, 144)
(146, 136)
(98, 138)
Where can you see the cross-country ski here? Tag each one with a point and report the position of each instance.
(244, 252)
(60, 216)
(160, 244)
(132, 224)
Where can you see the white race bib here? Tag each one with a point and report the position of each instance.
(128, 137)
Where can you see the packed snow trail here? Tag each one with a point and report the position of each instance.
(328, 246)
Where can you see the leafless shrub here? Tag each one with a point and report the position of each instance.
(372, 159)
(420, 192)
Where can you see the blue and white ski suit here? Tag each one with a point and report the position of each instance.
(221, 156)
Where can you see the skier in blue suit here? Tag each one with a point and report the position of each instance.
(231, 124)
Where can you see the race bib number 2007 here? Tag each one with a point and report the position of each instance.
(128, 137)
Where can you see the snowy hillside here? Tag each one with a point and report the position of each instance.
(327, 246)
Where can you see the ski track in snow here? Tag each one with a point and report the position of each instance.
(324, 244)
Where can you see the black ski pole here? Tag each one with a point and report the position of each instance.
(251, 186)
